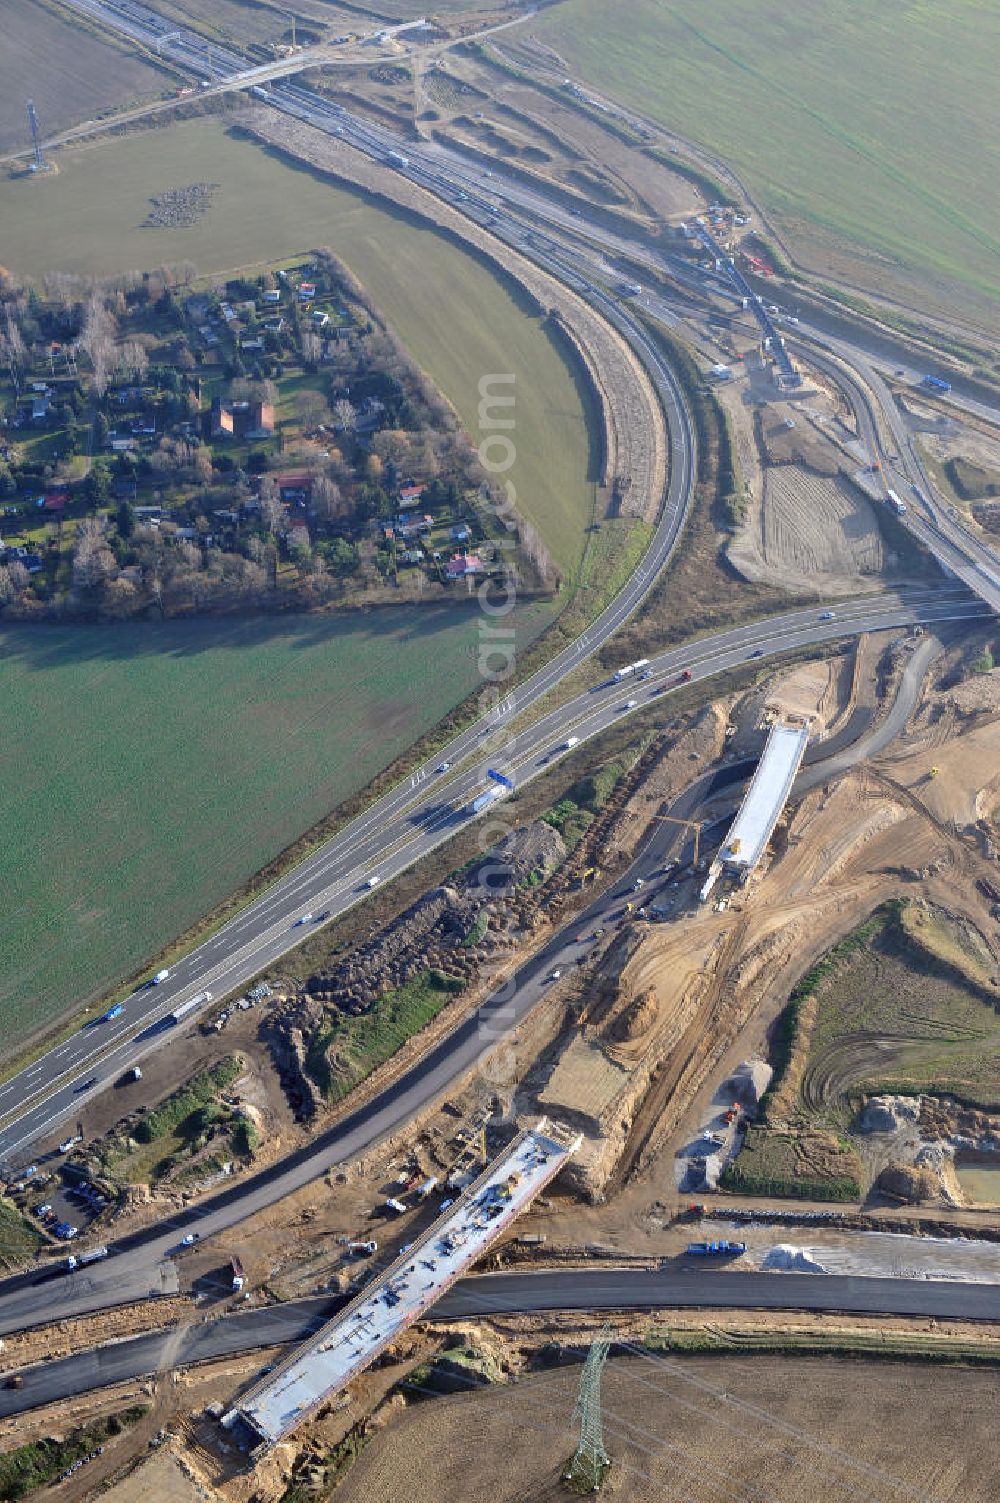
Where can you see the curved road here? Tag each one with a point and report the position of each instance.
(611, 1289)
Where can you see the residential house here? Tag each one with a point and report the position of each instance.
(459, 534)
(272, 297)
(307, 291)
(410, 494)
(319, 318)
(463, 565)
(40, 408)
(260, 422)
(223, 419)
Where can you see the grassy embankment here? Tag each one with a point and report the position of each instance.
(903, 1004)
(859, 132)
(346, 1052)
(180, 1125)
(18, 1238)
(27, 1468)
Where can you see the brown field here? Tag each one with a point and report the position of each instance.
(69, 73)
(702, 1430)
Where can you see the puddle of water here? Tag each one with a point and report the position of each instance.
(979, 1180)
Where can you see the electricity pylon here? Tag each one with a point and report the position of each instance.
(591, 1461)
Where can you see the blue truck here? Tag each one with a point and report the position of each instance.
(934, 383)
(112, 1013)
(719, 1249)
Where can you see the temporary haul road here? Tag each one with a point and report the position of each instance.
(401, 828)
(576, 1289)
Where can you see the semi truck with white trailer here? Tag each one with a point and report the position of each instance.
(184, 1009)
(629, 669)
(489, 796)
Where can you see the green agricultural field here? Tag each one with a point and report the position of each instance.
(147, 773)
(862, 128)
(458, 321)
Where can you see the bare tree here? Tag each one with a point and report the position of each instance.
(327, 500)
(272, 513)
(344, 415)
(93, 561)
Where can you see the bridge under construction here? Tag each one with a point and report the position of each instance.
(376, 1317)
(762, 805)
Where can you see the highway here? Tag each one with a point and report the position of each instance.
(427, 809)
(677, 1287)
(410, 820)
(398, 830)
(141, 1264)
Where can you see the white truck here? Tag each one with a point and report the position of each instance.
(485, 799)
(184, 1008)
(570, 742)
(898, 505)
(629, 669)
(93, 1256)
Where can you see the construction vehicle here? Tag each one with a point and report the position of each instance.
(95, 1255)
(427, 1186)
(239, 1277)
(362, 1249)
(395, 1206)
(720, 1249)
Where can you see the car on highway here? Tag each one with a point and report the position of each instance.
(112, 1012)
(444, 767)
(758, 652)
(685, 676)
(160, 977)
(190, 1239)
(630, 704)
(827, 616)
(554, 975)
(373, 882)
(304, 918)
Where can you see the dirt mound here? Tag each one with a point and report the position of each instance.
(636, 1019)
(890, 1113)
(907, 1182)
(789, 1259)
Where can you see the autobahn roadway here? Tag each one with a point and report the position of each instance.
(397, 831)
(56, 1087)
(677, 1287)
(140, 1263)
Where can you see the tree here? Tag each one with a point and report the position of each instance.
(125, 520)
(326, 498)
(97, 486)
(93, 561)
(344, 415)
(272, 513)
